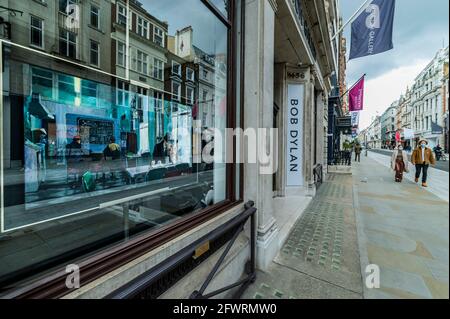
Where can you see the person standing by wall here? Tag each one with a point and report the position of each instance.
(422, 157)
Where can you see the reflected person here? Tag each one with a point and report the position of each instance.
(162, 149)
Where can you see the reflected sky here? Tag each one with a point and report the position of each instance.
(210, 34)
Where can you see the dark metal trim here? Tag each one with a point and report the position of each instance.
(225, 20)
(250, 267)
(143, 282)
(242, 90)
(53, 286)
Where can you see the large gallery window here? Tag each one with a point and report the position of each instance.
(97, 158)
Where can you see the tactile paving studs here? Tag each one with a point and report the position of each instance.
(278, 294)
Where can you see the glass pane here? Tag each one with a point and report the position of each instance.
(222, 5)
(91, 160)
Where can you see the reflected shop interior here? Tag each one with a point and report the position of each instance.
(95, 155)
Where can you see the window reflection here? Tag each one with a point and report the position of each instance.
(222, 5)
(115, 136)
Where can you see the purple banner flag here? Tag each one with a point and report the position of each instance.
(356, 97)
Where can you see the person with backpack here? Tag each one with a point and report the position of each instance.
(112, 149)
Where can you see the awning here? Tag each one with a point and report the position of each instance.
(435, 128)
(37, 109)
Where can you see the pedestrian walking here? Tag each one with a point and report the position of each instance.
(438, 151)
(399, 163)
(422, 157)
(358, 150)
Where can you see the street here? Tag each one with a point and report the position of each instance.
(359, 220)
(441, 165)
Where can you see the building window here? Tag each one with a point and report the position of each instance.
(68, 43)
(63, 4)
(95, 17)
(42, 83)
(123, 93)
(176, 91)
(142, 27)
(205, 75)
(68, 89)
(142, 62)
(121, 53)
(158, 36)
(89, 91)
(176, 68)
(158, 69)
(121, 15)
(37, 32)
(142, 92)
(159, 114)
(190, 75)
(95, 53)
(190, 95)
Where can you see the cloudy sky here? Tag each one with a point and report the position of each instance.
(420, 30)
(210, 35)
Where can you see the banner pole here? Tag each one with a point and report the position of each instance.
(363, 6)
(353, 85)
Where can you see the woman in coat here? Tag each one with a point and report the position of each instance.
(399, 163)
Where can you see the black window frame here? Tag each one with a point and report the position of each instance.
(91, 50)
(92, 15)
(65, 49)
(33, 28)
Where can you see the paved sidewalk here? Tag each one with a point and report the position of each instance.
(361, 219)
(320, 258)
(404, 229)
(438, 181)
(440, 165)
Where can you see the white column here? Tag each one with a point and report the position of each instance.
(258, 113)
(309, 135)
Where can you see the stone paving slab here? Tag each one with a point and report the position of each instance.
(406, 232)
(320, 257)
(323, 242)
(437, 179)
(280, 282)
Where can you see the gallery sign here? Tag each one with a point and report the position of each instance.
(355, 119)
(294, 133)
